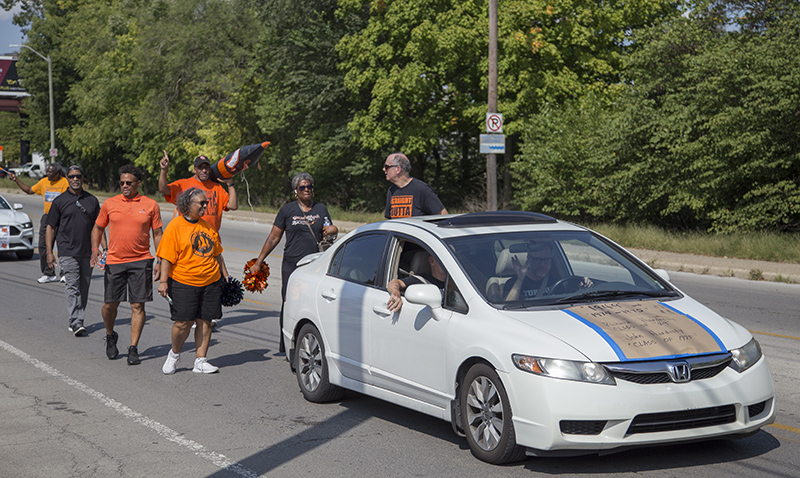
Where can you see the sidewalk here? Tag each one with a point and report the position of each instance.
(705, 265)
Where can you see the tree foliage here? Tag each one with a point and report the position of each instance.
(705, 135)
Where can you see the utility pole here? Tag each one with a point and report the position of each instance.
(50, 84)
(491, 159)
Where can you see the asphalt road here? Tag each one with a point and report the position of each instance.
(66, 410)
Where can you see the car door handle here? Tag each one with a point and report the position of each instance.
(380, 310)
(330, 295)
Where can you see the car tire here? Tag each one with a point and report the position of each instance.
(311, 367)
(486, 416)
(25, 255)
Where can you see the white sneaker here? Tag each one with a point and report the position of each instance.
(46, 279)
(201, 365)
(64, 279)
(169, 364)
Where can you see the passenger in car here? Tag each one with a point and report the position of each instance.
(437, 277)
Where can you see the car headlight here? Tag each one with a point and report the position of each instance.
(26, 225)
(747, 356)
(565, 369)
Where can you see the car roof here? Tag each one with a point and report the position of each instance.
(457, 225)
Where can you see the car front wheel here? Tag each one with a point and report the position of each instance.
(311, 367)
(486, 413)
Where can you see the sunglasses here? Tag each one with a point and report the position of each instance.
(75, 176)
(305, 188)
(539, 260)
(126, 183)
(202, 203)
(80, 206)
(388, 166)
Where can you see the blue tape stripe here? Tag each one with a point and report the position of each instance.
(602, 333)
(712, 334)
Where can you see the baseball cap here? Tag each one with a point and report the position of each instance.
(75, 166)
(200, 160)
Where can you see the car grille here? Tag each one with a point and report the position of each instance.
(683, 420)
(649, 373)
(582, 427)
(757, 409)
(14, 231)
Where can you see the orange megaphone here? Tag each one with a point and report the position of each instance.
(238, 161)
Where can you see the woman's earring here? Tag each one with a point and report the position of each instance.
(295, 193)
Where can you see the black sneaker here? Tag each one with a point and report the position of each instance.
(133, 355)
(80, 331)
(111, 346)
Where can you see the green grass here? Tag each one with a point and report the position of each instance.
(765, 246)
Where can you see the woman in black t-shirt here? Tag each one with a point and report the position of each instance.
(294, 218)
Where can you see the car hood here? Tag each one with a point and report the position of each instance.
(9, 216)
(637, 330)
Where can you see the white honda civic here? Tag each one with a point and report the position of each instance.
(532, 336)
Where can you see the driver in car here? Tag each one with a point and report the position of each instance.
(533, 278)
(437, 277)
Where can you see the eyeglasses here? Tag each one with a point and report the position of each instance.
(202, 203)
(126, 183)
(78, 203)
(305, 188)
(75, 176)
(539, 260)
(389, 166)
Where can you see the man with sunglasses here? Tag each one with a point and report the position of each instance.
(49, 187)
(129, 273)
(69, 224)
(408, 196)
(218, 198)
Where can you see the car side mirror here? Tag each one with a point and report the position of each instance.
(17, 206)
(426, 294)
(663, 274)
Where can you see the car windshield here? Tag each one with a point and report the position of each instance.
(536, 268)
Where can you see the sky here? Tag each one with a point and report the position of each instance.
(9, 33)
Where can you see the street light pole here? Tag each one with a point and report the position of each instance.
(50, 81)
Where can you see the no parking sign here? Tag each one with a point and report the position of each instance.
(494, 123)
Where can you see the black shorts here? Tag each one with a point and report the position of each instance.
(190, 302)
(129, 282)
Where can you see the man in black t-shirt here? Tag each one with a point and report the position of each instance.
(437, 277)
(69, 225)
(408, 196)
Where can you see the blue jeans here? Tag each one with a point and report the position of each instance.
(78, 276)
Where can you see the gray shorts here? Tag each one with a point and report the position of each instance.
(129, 282)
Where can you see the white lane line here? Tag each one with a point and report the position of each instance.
(165, 432)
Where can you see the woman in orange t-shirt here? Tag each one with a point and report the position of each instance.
(192, 268)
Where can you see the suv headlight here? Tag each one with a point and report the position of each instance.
(26, 225)
(564, 369)
(747, 356)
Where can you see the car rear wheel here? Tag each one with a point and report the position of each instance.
(311, 367)
(486, 413)
(25, 255)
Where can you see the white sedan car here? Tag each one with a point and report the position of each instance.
(538, 337)
(16, 230)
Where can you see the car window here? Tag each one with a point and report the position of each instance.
(563, 267)
(4, 204)
(409, 258)
(360, 260)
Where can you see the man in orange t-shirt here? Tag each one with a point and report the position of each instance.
(129, 271)
(49, 187)
(218, 198)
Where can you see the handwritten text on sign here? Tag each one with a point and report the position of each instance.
(648, 329)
